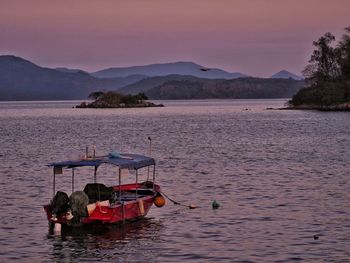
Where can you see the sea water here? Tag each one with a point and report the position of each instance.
(281, 178)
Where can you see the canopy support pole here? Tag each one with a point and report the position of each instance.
(150, 153)
(137, 181)
(54, 182)
(120, 182)
(154, 176)
(72, 180)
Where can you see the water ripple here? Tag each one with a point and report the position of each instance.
(281, 178)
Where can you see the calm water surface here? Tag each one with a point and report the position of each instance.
(281, 177)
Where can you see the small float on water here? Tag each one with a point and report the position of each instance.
(99, 204)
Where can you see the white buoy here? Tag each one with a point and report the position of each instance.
(57, 229)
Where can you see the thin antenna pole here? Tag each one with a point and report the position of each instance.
(150, 153)
(150, 145)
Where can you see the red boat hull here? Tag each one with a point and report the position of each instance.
(113, 214)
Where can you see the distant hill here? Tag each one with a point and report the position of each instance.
(149, 83)
(284, 74)
(189, 87)
(20, 79)
(68, 70)
(128, 80)
(242, 88)
(177, 68)
(123, 81)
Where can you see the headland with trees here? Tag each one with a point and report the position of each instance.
(327, 76)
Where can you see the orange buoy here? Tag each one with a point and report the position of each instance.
(159, 200)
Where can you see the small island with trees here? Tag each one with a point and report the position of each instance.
(111, 99)
(327, 76)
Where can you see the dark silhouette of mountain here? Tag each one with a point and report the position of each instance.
(23, 80)
(177, 68)
(144, 85)
(128, 80)
(190, 87)
(242, 88)
(123, 80)
(284, 74)
(69, 70)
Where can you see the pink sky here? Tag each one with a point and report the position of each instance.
(255, 37)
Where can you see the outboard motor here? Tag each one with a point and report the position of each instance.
(59, 203)
(78, 202)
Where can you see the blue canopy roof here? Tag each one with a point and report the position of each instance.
(123, 161)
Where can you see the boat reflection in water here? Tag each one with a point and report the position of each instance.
(136, 241)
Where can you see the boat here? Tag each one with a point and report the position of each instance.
(98, 204)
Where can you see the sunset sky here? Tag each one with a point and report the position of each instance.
(255, 37)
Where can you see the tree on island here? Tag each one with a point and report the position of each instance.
(327, 75)
(111, 99)
(95, 95)
(323, 63)
(344, 55)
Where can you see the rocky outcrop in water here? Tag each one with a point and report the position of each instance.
(112, 99)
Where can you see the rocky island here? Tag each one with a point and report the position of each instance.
(111, 99)
(327, 76)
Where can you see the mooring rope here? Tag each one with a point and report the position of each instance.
(178, 203)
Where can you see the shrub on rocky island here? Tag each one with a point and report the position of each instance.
(111, 99)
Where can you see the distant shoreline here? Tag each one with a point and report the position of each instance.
(338, 107)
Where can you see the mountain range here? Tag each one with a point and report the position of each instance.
(21, 79)
(177, 68)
